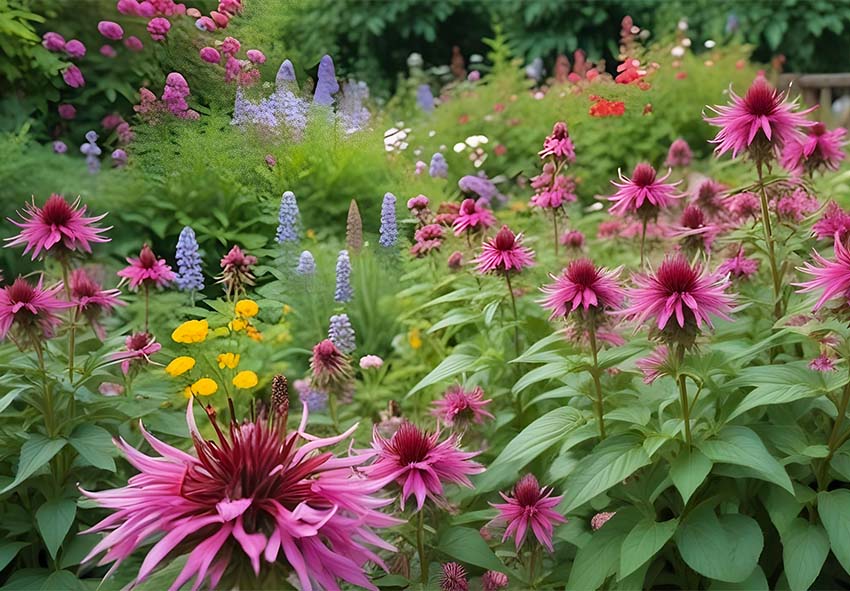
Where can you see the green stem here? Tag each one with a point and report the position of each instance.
(49, 422)
(769, 240)
(683, 395)
(516, 316)
(555, 227)
(598, 403)
(147, 306)
(532, 565)
(420, 547)
(332, 410)
(643, 241)
(72, 330)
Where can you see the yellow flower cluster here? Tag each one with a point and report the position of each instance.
(245, 309)
(228, 360)
(191, 331)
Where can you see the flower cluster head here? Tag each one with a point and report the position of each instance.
(31, 310)
(558, 144)
(679, 299)
(573, 239)
(709, 196)
(583, 288)
(493, 580)
(761, 122)
(287, 219)
(833, 221)
(306, 264)
(354, 228)
(344, 292)
(472, 217)
(796, 206)
(111, 30)
(552, 188)
(679, 155)
(173, 100)
(371, 362)
(453, 577)
(504, 253)
(73, 77)
(190, 276)
(237, 271)
(529, 507)
(695, 231)
(602, 107)
(158, 28)
(331, 368)
(425, 98)
(341, 333)
(57, 227)
(326, 85)
(739, 266)
(313, 399)
(744, 206)
(438, 168)
(420, 463)
(644, 194)
(191, 331)
(461, 407)
(146, 270)
(428, 239)
(137, 352)
(389, 225)
(655, 365)
(480, 188)
(601, 519)
(820, 148)
(260, 495)
(830, 278)
(91, 300)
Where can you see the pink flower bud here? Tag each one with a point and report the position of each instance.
(67, 111)
(158, 28)
(133, 43)
(205, 23)
(73, 77)
(75, 48)
(210, 55)
(230, 46)
(53, 41)
(108, 51)
(110, 30)
(256, 56)
(220, 19)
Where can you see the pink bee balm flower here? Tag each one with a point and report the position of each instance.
(681, 291)
(91, 300)
(57, 224)
(694, 229)
(504, 253)
(583, 286)
(420, 462)
(709, 196)
(256, 56)
(110, 30)
(31, 308)
(572, 239)
(158, 28)
(260, 493)
(494, 580)
(73, 77)
(739, 266)
(820, 148)
(834, 221)
(147, 270)
(601, 519)
(832, 278)
(529, 507)
(138, 348)
(472, 217)
(822, 363)
(763, 121)
(329, 365)
(559, 144)
(655, 365)
(643, 194)
(210, 55)
(679, 154)
(461, 407)
(744, 206)
(230, 46)
(453, 577)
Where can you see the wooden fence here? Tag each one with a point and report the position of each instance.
(830, 91)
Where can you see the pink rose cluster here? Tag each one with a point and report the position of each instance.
(173, 100)
(217, 19)
(241, 71)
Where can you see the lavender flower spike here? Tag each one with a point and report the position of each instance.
(343, 293)
(189, 276)
(424, 98)
(306, 264)
(389, 227)
(287, 227)
(327, 86)
(341, 333)
(439, 167)
(285, 75)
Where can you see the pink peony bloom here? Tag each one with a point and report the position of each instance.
(133, 43)
(529, 507)
(420, 462)
(504, 253)
(256, 56)
(53, 41)
(75, 49)
(832, 278)
(763, 121)
(67, 111)
(73, 77)
(371, 362)
(739, 266)
(493, 581)
(679, 154)
(681, 291)
(210, 55)
(822, 363)
(559, 144)
(472, 217)
(461, 407)
(58, 223)
(601, 519)
(582, 285)
(230, 46)
(655, 365)
(158, 28)
(91, 300)
(643, 194)
(31, 308)
(834, 221)
(146, 270)
(138, 348)
(820, 148)
(453, 577)
(260, 494)
(110, 30)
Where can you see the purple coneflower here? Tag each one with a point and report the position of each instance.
(831, 277)
(91, 300)
(31, 309)
(529, 507)
(559, 144)
(453, 577)
(461, 407)
(138, 348)
(493, 580)
(472, 217)
(655, 365)
(504, 253)
(819, 148)
(739, 266)
(146, 270)
(679, 154)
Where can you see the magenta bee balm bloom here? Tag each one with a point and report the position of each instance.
(504, 253)
(138, 348)
(582, 286)
(830, 277)
(559, 144)
(472, 217)
(461, 407)
(147, 270)
(91, 300)
(820, 148)
(529, 507)
(31, 308)
(644, 194)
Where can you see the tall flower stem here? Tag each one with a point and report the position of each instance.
(835, 438)
(594, 372)
(72, 330)
(49, 422)
(147, 306)
(683, 394)
(769, 240)
(642, 241)
(532, 566)
(332, 410)
(420, 547)
(555, 228)
(516, 316)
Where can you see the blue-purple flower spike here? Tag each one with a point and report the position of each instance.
(285, 75)
(341, 333)
(343, 293)
(287, 217)
(439, 167)
(190, 276)
(424, 98)
(327, 86)
(389, 226)
(306, 264)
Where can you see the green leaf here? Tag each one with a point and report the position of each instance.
(550, 371)
(54, 519)
(8, 551)
(94, 444)
(610, 463)
(805, 547)
(726, 549)
(688, 470)
(741, 446)
(450, 366)
(644, 542)
(599, 558)
(466, 545)
(10, 397)
(834, 511)
(35, 453)
(755, 582)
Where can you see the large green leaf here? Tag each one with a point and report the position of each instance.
(35, 453)
(834, 511)
(725, 548)
(448, 367)
(8, 551)
(549, 371)
(755, 582)
(643, 542)
(688, 470)
(805, 547)
(742, 447)
(466, 545)
(600, 557)
(94, 444)
(54, 519)
(610, 463)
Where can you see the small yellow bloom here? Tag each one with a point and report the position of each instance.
(245, 380)
(187, 392)
(253, 333)
(204, 387)
(311, 233)
(236, 325)
(228, 360)
(247, 308)
(413, 339)
(179, 365)
(191, 331)
(287, 309)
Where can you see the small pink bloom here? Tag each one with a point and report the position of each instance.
(91, 300)
(796, 206)
(205, 23)
(73, 77)
(75, 49)
(529, 507)
(655, 365)
(210, 55)
(601, 519)
(455, 260)
(831, 277)
(110, 30)
(158, 28)
(583, 286)
(232, 69)
(453, 577)
(419, 202)
(133, 43)
(371, 362)
(461, 407)
(679, 154)
(108, 51)
(694, 229)
(822, 363)
(504, 253)
(146, 270)
(559, 144)
(820, 148)
(739, 266)
(32, 309)
(834, 221)
(572, 239)
(472, 217)
(110, 389)
(256, 56)
(745, 205)
(67, 111)
(493, 581)
(230, 46)
(53, 41)
(643, 194)
(220, 19)
(138, 349)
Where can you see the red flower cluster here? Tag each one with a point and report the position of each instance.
(602, 107)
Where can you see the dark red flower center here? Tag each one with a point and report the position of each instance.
(505, 239)
(583, 273)
(693, 217)
(468, 207)
(57, 211)
(761, 100)
(20, 292)
(643, 175)
(410, 444)
(82, 285)
(147, 259)
(527, 491)
(676, 276)
(138, 341)
(817, 129)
